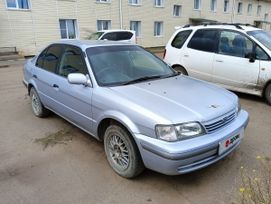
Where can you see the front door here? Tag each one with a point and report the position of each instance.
(232, 66)
(75, 99)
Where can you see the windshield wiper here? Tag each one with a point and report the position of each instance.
(142, 79)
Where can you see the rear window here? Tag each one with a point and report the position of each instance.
(180, 39)
(204, 40)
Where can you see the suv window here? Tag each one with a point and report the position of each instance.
(234, 44)
(50, 59)
(180, 39)
(72, 61)
(117, 36)
(204, 40)
(260, 54)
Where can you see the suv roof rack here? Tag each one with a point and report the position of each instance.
(237, 25)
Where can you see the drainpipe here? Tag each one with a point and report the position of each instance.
(120, 14)
(233, 12)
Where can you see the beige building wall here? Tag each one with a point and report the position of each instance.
(31, 30)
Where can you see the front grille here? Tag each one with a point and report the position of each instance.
(211, 127)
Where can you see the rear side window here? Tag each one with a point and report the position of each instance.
(124, 36)
(204, 40)
(51, 58)
(180, 39)
(115, 36)
(39, 62)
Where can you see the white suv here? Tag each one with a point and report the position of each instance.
(235, 56)
(115, 35)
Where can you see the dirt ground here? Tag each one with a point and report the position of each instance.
(75, 169)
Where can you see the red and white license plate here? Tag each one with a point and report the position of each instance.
(229, 142)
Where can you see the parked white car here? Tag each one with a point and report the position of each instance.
(235, 56)
(115, 35)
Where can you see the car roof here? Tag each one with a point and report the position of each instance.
(84, 44)
(242, 28)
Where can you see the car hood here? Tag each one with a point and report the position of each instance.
(179, 99)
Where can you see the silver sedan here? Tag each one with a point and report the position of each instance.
(145, 113)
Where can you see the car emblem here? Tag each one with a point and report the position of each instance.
(213, 106)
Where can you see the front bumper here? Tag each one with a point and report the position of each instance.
(173, 158)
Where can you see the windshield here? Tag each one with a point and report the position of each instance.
(95, 36)
(262, 36)
(125, 64)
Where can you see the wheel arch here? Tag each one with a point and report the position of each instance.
(115, 118)
(265, 86)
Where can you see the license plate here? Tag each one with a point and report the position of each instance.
(229, 142)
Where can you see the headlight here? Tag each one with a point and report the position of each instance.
(183, 131)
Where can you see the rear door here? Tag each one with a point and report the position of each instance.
(199, 54)
(74, 99)
(45, 77)
(232, 66)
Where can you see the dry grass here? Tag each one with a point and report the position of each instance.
(256, 183)
(60, 137)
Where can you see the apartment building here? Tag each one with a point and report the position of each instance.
(29, 25)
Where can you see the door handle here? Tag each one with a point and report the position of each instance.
(35, 76)
(186, 55)
(219, 60)
(55, 86)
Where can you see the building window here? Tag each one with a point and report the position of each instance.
(266, 16)
(136, 26)
(213, 5)
(159, 3)
(177, 9)
(158, 28)
(67, 28)
(134, 2)
(103, 24)
(249, 9)
(259, 10)
(197, 4)
(103, 1)
(18, 4)
(226, 6)
(239, 7)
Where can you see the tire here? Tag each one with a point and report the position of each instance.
(180, 70)
(267, 94)
(121, 152)
(37, 107)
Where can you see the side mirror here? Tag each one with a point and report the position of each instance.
(78, 78)
(251, 56)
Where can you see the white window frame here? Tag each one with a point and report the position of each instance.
(134, 2)
(138, 33)
(109, 25)
(67, 30)
(180, 10)
(161, 29)
(199, 8)
(227, 6)
(259, 10)
(161, 5)
(17, 6)
(215, 5)
(239, 4)
(103, 1)
(249, 9)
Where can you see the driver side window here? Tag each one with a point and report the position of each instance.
(234, 44)
(72, 62)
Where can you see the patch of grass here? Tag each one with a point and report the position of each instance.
(59, 137)
(256, 184)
